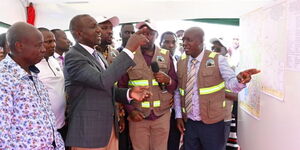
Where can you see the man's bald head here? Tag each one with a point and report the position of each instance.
(193, 41)
(85, 30)
(18, 32)
(26, 44)
(76, 24)
(197, 32)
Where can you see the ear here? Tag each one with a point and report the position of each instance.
(77, 34)
(18, 46)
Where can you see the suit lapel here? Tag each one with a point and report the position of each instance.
(103, 60)
(88, 55)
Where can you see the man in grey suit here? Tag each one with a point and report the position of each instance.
(90, 90)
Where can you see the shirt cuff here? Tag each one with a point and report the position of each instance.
(178, 114)
(128, 52)
(128, 96)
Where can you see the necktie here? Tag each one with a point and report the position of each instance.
(191, 79)
(95, 54)
(62, 59)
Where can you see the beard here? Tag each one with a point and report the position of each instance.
(147, 46)
(106, 42)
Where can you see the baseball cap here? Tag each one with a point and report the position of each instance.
(114, 20)
(147, 23)
(223, 43)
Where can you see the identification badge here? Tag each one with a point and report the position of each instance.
(160, 59)
(210, 63)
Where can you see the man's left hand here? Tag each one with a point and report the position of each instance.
(245, 76)
(139, 93)
(161, 77)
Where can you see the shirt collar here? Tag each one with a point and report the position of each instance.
(18, 71)
(56, 55)
(87, 48)
(199, 57)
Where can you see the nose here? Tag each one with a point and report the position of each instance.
(98, 30)
(69, 43)
(53, 44)
(43, 49)
(110, 31)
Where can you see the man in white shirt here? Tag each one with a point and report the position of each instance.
(62, 45)
(52, 77)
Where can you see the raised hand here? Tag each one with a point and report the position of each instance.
(161, 77)
(136, 40)
(139, 93)
(245, 76)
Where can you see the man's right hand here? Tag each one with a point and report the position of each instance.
(136, 115)
(136, 40)
(180, 125)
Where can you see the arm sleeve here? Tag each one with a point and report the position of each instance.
(80, 69)
(6, 112)
(177, 105)
(172, 87)
(229, 76)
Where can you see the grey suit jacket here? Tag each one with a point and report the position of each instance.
(90, 96)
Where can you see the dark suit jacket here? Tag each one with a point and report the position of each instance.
(90, 96)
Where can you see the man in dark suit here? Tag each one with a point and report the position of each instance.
(90, 90)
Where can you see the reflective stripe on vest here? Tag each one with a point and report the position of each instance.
(154, 82)
(227, 90)
(141, 82)
(212, 89)
(156, 103)
(163, 51)
(183, 109)
(145, 104)
(138, 83)
(181, 91)
(212, 55)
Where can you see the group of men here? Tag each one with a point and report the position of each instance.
(38, 79)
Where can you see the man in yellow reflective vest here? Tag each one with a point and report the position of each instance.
(149, 121)
(200, 99)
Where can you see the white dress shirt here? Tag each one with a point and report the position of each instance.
(53, 78)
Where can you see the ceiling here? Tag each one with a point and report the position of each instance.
(58, 13)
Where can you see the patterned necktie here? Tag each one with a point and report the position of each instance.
(191, 79)
(95, 54)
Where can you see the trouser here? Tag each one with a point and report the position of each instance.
(201, 136)
(150, 134)
(124, 139)
(226, 132)
(112, 144)
(174, 133)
